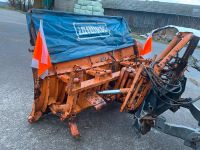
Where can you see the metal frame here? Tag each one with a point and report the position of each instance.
(122, 76)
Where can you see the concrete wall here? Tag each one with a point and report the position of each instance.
(64, 5)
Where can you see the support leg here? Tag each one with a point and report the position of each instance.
(34, 116)
(190, 136)
(73, 128)
(193, 109)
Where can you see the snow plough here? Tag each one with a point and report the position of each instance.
(95, 61)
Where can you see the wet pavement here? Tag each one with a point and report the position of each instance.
(106, 130)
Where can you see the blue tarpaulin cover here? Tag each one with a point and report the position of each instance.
(73, 36)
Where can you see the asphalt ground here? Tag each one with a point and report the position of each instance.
(105, 130)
